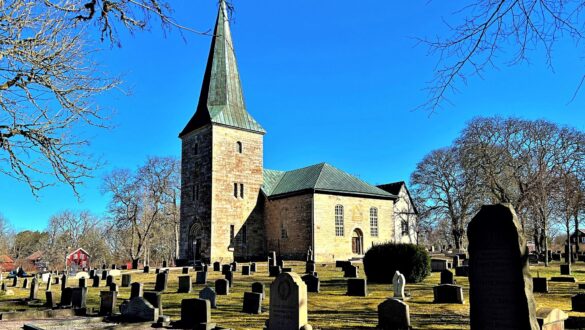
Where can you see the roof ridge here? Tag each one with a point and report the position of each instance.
(320, 172)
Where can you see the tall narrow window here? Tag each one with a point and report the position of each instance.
(239, 147)
(405, 229)
(374, 222)
(235, 190)
(242, 190)
(196, 148)
(338, 220)
(244, 234)
(192, 192)
(283, 230)
(197, 192)
(232, 234)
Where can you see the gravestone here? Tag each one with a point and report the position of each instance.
(309, 254)
(280, 262)
(63, 282)
(288, 303)
(222, 287)
(3, 287)
(252, 303)
(551, 318)
(15, 281)
(114, 287)
(447, 277)
(499, 279)
(245, 270)
(164, 264)
(578, 302)
(96, 281)
(258, 287)
(272, 258)
(196, 314)
(136, 290)
(154, 298)
(108, 302)
(139, 309)
(49, 284)
(312, 282)
(201, 278)
(393, 314)
(216, 266)
(350, 271)
(229, 276)
(565, 269)
(126, 280)
(234, 266)
(208, 294)
(274, 271)
(50, 302)
(114, 266)
(66, 296)
(357, 287)
(109, 280)
(448, 294)
(225, 269)
(25, 283)
(540, 284)
(161, 282)
(185, 270)
(462, 271)
(310, 267)
(456, 261)
(34, 287)
(438, 265)
(253, 267)
(104, 275)
(92, 273)
(398, 283)
(146, 269)
(185, 284)
(78, 297)
(82, 282)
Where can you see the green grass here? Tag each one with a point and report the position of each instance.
(330, 309)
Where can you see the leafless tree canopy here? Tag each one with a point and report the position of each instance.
(484, 28)
(48, 81)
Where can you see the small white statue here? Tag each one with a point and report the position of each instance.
(398, 282)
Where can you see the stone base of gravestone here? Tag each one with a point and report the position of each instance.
(357, 287)
(567, 279)
(448, 294)
(539, 285)
(138, 310)
(462, 271)
(578, 302)
(565, 269)
(252, 303)
(313, 283)
(551, 318)
(393, 314)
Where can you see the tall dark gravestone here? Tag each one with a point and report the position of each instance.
(500, 285)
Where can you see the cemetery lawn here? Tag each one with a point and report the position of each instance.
(329, 309)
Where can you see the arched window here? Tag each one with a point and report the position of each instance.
(338, 220)
(283, 230)
(239, 147)
(374, 222)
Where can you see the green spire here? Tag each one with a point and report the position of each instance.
(221, 100)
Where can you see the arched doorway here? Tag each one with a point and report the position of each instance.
(195, 234)
(357, 242)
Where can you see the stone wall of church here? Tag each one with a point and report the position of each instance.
(288, 225)
(229, 208)
(196, 191)
(356, 216)
(404, 212)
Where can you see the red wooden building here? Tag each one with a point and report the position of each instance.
(6, 263)
(79, 258)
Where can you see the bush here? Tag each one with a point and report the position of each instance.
(382, 261)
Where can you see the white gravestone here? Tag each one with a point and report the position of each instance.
(398, 282)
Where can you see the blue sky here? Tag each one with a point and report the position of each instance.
(333, 81)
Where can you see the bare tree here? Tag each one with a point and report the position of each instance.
(48, 82)
(140, 202)
(486, 26)
(450, 192)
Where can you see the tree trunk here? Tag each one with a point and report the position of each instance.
(576, 232)
(568, 260)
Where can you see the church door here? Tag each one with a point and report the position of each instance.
(357, 242)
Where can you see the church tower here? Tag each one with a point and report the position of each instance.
(221, 166)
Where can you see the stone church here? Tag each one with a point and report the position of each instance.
(234, 208)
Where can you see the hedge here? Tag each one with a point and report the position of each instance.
(381, 262)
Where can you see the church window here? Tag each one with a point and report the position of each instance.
(232, 234)
(242, 190)
(338, 220)
(196, 148)
(374, 221)
(239, 147)
(235, 190)
(405, 230)
(283, 230)
(244, 234)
